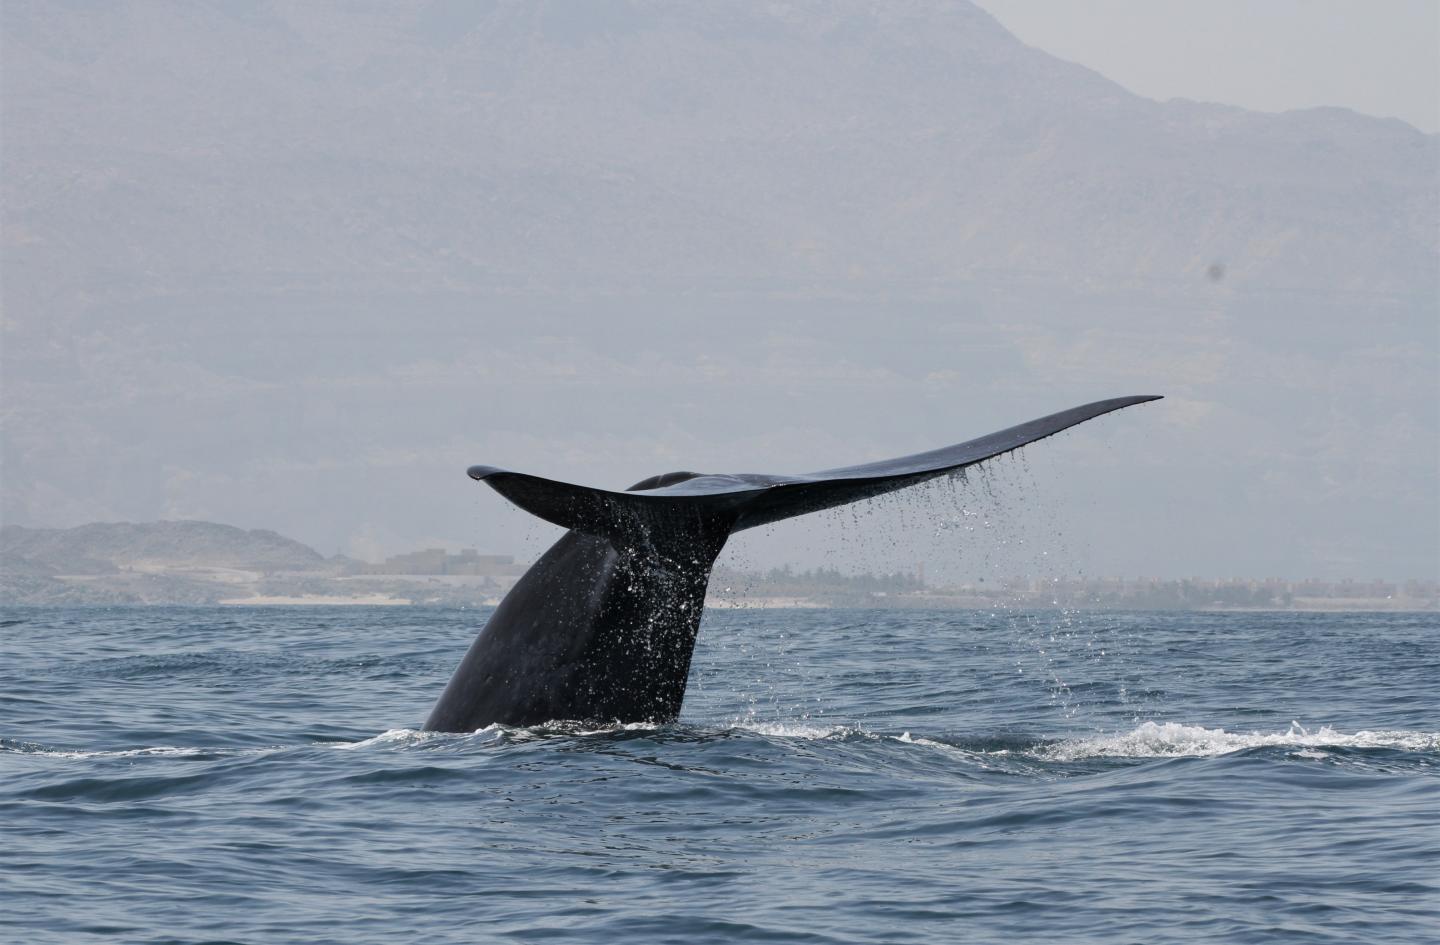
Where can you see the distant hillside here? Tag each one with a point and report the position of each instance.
(188, 562)
(109, 546)
(465, 143)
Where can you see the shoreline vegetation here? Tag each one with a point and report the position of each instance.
(203, 563)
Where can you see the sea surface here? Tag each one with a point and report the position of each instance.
(256, 775)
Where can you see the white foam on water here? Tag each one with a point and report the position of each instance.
(954, 751)
(392, 738)
(808, 731)
(160, 751)
(1176, 740)
(156, 751)
(909, 739)
(1147, 740)
(410, 737)
(575, 728)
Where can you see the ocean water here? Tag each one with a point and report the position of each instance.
(255, 775)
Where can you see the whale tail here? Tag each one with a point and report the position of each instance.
(691, 503)
(602, 627)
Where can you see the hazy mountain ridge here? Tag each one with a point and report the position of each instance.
(841, 143)
(106, 563)
(192, 562)
(188, 543)
(205, 563)
(305, 263)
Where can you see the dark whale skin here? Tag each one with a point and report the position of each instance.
(589, 633)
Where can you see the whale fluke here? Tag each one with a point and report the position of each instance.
(758, 499)
(602, 627)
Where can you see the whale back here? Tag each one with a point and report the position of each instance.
(597, 630)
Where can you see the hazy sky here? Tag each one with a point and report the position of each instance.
(1382, 58)
(297, 265)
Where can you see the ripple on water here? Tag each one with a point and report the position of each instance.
(834, 778)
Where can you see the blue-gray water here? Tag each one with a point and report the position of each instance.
(254, 775)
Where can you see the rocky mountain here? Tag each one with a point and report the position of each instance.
(188, 563)
(106, 547)
(108, 563)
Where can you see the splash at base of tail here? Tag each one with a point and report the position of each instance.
(603, 626)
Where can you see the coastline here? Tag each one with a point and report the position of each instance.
(317, 600)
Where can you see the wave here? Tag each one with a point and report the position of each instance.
(1177, 740)
(805, 730)
(1146, 740)
(154, 751)
(404, 738)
